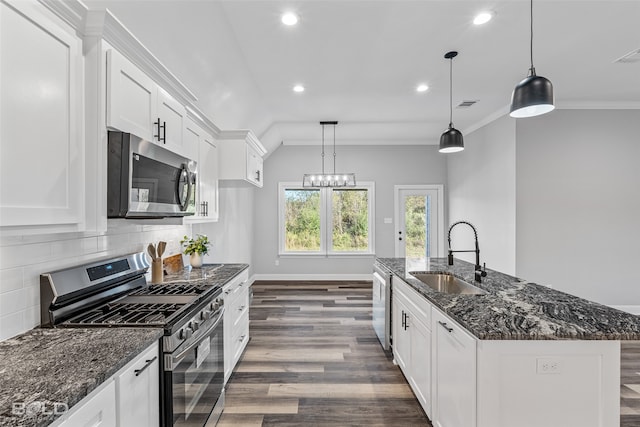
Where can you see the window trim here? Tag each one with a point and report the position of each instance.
(326, 218)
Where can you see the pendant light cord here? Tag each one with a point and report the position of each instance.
(532, 70)
(322, 149)
(334, 149)
(450, 92)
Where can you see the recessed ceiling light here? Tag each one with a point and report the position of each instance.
(289, 18)
(483, 18)
(298, 88)
(422, 88)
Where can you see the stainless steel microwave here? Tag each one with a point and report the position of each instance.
(145, 180)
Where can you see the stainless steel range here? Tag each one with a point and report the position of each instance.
(115, 293)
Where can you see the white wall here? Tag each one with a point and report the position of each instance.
(385, 165)
(24, 258)
(481, 183)
(578, 203)
(233, 236)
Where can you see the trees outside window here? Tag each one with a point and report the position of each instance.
(329, 221)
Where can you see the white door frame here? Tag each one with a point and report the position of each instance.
(440, 225)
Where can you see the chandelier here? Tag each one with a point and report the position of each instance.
(329, 179)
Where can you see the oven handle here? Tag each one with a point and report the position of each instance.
(178, 358)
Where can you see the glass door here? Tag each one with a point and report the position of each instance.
(419, 232)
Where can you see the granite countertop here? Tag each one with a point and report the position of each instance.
(44, 366)
(514, 309)
(213, 274)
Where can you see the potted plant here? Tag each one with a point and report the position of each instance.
(195, 248)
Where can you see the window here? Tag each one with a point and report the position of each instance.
(326, 221)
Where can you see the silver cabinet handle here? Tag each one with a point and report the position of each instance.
(444, 325)
(147, 364)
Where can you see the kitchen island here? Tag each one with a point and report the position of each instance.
(520, 354)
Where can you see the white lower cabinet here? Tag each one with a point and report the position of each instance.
(412, 339)
(97, 411)
(138, 391)
(131, 397)
(236, 321)
(462, 381)
(454, 374)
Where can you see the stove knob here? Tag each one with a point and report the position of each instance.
(205, 315)
(195, 325)
(214, 306)
(186, 333)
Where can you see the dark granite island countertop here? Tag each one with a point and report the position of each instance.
(62, 365)
(514, 309)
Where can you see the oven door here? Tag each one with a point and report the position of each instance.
(194, 377)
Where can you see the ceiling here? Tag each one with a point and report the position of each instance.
(361, 61)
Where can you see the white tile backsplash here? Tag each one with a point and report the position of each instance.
(24, 258)
(10, 279)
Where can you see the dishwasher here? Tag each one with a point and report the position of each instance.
(381, 309)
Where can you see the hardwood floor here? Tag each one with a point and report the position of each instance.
(314, 360)
(630, 384)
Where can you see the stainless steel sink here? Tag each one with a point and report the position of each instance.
(446, 283)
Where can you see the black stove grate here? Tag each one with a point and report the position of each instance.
(173, 289)
(128, 313)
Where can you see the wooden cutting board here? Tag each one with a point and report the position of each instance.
(173, 264)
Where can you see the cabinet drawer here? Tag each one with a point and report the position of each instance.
(240, 336)
(239, 307)
(415, 302)
(232, 289)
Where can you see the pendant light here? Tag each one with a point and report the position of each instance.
(533, 96)
(451, 140)
(329, 180)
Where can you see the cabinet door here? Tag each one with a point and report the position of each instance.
(401, 338)
(98, 411)
(420, 357)
(172, 114)
(131, 98)
(208, 176)
(139, 391)
(254, 166)
(41, 147)
(455, 374)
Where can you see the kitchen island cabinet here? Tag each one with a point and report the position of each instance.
(521, 354)
(412, 340)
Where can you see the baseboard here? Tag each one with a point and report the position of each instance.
(633, 309)
(312, 277)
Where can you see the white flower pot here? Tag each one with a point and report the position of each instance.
(195, 260)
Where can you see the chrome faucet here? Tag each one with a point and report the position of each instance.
(480, 272)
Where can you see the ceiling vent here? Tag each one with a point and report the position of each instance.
(466, 104)
(629, 58)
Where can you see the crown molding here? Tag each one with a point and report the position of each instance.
(102, 23)
(246, 135)
(72, 12)
(203, 121)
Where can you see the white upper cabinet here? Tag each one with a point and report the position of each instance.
(241, 157)
(201, 147)
(41, 120)
(136, 104)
